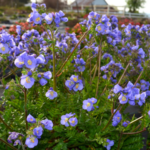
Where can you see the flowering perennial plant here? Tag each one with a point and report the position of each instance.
(96, 77)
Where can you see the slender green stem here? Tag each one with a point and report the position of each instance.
(72, 52)
(25, 101)
(130, 133)
(111, 118)
(8, 144)
(94, 73)
(90, 70)
(93, 69)
(136, 119)
(5, 123)
(23, 148)
(124, 72)
(119, 141)
(99, 65)
(54, 62)
(138, 77)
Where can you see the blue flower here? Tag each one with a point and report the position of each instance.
(49, 18)
(125, 124)
(31, 141)
(123, 99)
(36, 17)
(73, 121)
(104, 18)
(117, 88)
(30, 62)
(149, 113)
(64, 120)
(51, 94)
(38, 131)
(116, 118)
(27, 81)
(17, 142)
(31, 119)
(70, 84)
(144, 85)
(19, 61)
(74, 78)
(78, 86)
(47, 75)
(142, 98)
(18, 29)
(87, 105)
(100, 28)
(14, 136)
(40, 59)
(110, 144)
(48, 124)
(42, 81)
(141, 53)
(4, 48)
(93, 100)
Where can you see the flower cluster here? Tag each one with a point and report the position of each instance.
(79, 64)
(74, 83)
(88, 104)
(6, 42)
(36, 131)
(110, 144)
(46, 75)
(111, 67)
(116, 118)
(16, 137)
(130, 94)
(29, 61)
(69, 119)
(37, 17)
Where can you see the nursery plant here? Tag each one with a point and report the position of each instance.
(72, 92)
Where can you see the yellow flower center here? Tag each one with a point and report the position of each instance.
(28, 80)
(51, 93)
(21, 63)
(99, 28)
(66, 119)
(29, 15)
(37, 19)
(50, 19)
(118, 118)
(88, 104)
(29, 62)
(31, 119)
(32, 139)
(3, 48)
(73, 121)
(77, 85)
(75, 79)
(123, 98)
(37, 132)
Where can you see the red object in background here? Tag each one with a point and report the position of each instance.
(25, 26)
(126, 21)
(85, 16)
(76, 29)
